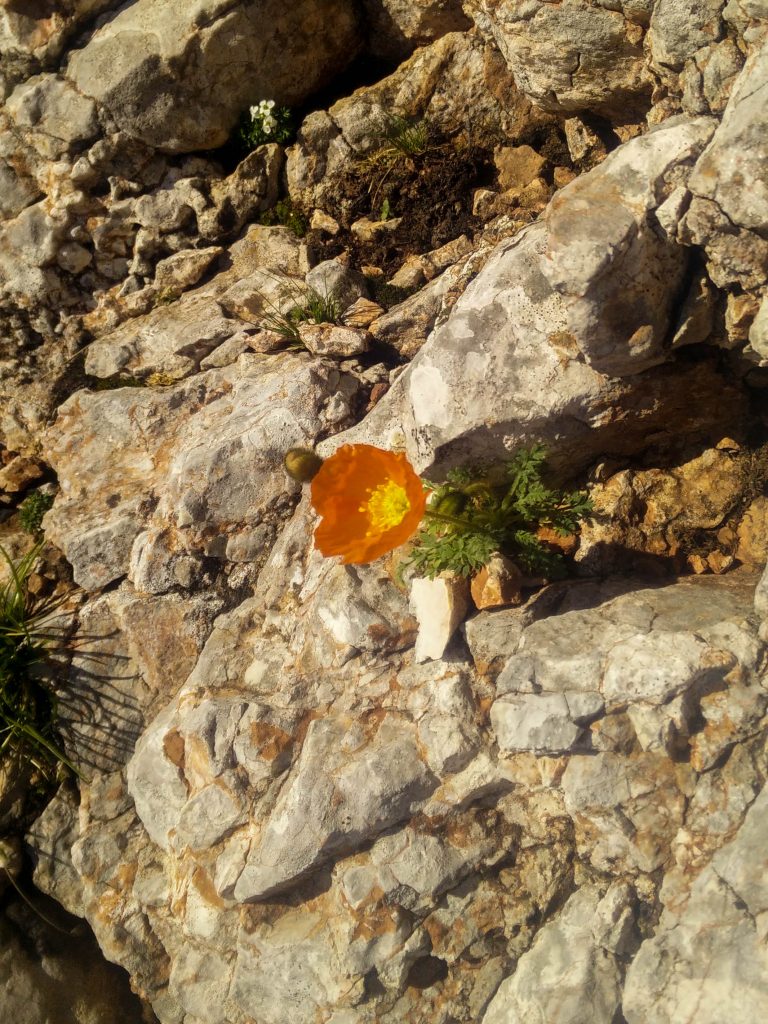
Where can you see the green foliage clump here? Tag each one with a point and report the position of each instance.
(400, 140)
(265, 122)
(475, 514)
(406, 136)
(32, 510)
(308, 306)
(284, 213)
(27, 698)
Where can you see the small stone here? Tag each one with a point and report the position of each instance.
(698, 564)
(73, 257)
(11, 857)
(517, 165)
(19, 474)
(566, 543)
(38, 585)
(439, 606)
(534, 196)
(758, 332)
(563, 176)
(761, 596)
(584, 144)
(719, 562)
(335, 280)
(228, 352)
(614, 732)
(498, 584)
(321, 221)
(184, 269)
(361, 313)
(265, 341)
(484, 203)
(333, 340)
(373, 230)
(411, 274)
(447, 255)
(740, 313)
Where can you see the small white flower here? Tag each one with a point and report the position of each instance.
(254, 112)
(266, 128)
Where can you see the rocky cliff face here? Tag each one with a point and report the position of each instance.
(283, 817)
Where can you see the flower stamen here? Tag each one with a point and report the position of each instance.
(386, 508)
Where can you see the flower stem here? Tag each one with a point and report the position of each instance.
(441, 517)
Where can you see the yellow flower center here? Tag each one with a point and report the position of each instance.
(386, 508)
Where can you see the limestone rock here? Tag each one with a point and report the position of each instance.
(606, 791)
(333, 341)
(18, 474)
(406, 326)
(170, 339)
(361, 313)
(584, 144)
(52, 836)
(570, 56)
(688, 970)
(539, 722)
(340, 795)
(729, 212)
(603, 219)
(228, 56)
(231, 476)
(492, 637)
(523, 377)
(569, 975)
(51, 108)
(332, 280)
(758, 333)
(185, 268)
(655, 511)
(41, 35)
(752, 534)
(16, 191)
(678, 30)
(498, 583)
(761, 595)
(397, 27)
(439, 605)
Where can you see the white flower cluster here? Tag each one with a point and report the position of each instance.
(263, 112)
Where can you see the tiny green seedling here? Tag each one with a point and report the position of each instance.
(32, 510)
(285, 214)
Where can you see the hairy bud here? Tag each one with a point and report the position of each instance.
(301, 464)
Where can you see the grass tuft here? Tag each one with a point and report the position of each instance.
(28, 636)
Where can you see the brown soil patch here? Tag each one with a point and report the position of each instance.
(430, 193)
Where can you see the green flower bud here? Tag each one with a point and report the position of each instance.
(451, 504)
(301, 464)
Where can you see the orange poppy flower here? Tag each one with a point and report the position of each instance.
(370, 500)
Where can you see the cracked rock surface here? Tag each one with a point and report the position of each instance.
(309, 792)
